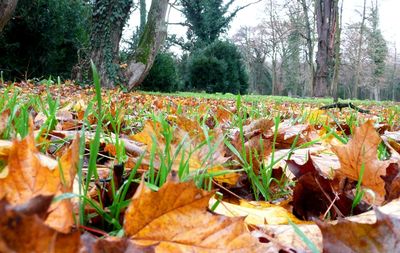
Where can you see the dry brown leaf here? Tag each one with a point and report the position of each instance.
(30, 173)
(192, 127)
(22, 229)
(286, 235)
(90, 244)
(176, 218)
(348, 236)
(261, 126)
(4, 120)
(289, 134)
(362, 150)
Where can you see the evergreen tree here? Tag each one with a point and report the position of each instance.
(218, 68)
(163, 75)
(206, 21)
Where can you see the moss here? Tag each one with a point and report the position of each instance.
(146, 41)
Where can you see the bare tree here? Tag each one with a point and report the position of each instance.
(359, 51)
(309, 36)
(326, 25)
(335, 80)
(393, 76)
(7, 8)
(254, 46)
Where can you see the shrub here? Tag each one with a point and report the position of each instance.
(163, 75)
(217, 68)
(43, 38)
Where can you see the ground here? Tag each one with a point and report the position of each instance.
(173, 172)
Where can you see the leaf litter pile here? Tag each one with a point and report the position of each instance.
(88, 171)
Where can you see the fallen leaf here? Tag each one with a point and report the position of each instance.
(30, 173)
(4, 121)
(22, 229)
(91, 244)
(256, 213)
(360, 151)
(392, 182)
(176, 218)
(289, 135)
(314, 196)
(184, 150)
(230, 178)
(349, 236)
(223, 115)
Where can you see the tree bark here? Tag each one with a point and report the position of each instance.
(310, 47)
(326, 23)
(109, 18)
(335, 80)
(359, 53)
(393, 79)
(143, 14)
(7, 8)
(151, 40)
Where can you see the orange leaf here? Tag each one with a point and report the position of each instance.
(361, 150)
(30, 173)
(230, 178)
(111, 149)
(23, 230)
(4, 120)
(176, 219)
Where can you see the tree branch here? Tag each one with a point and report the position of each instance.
(344, 105)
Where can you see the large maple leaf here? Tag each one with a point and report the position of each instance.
(360, 151)
(29, 173)
(175, 219)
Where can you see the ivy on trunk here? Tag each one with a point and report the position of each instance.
(109, 18)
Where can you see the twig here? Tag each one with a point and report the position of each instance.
(344, 105)
(226, 189)
(329, 198)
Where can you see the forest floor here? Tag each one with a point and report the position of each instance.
(94, 170)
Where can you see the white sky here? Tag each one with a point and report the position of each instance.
(251, 16)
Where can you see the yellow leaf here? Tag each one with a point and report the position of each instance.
(230, 178)
(256, 213)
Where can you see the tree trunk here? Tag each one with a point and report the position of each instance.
(150, 42)
(310, 47)
(7, 8)
(393, 79)
(335, 81)
(109, 18)
(143, 15)
(274, 76)
(359, 52)
(376, 91)
(326, 23)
